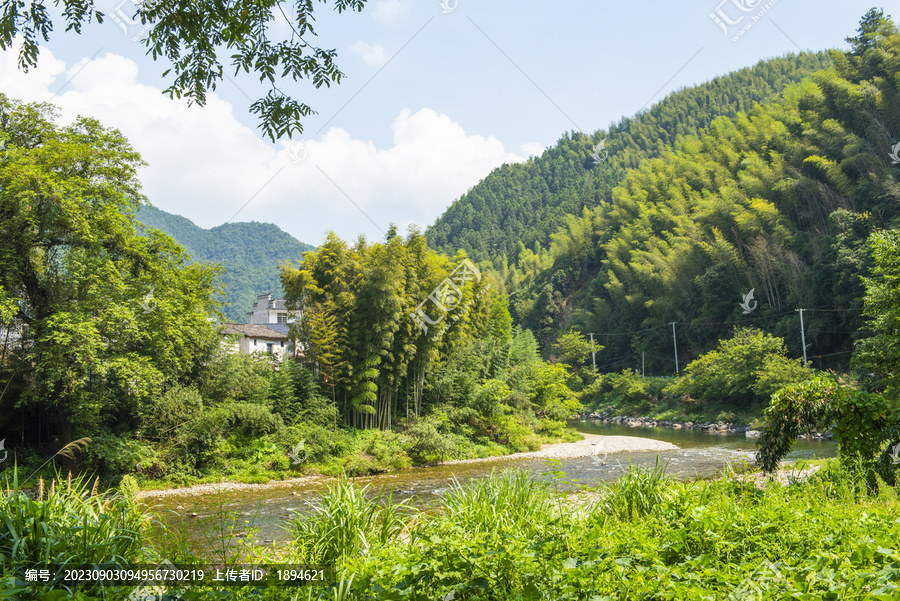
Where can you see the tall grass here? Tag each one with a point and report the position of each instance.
(348, 522)
(512, 500)
(637, 493)
(67, 524)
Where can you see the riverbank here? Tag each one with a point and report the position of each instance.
(592, 444)
(719, 427)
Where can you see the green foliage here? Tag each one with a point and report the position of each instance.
(627, 391)
(347, 521)
(190, 41)
(573, 348)
(109, 317)
(879, 355)
(509, 537)
(742, 371)
(638, 493)
(862, 422)
(248, 267)
(68, 524)
(429, 442)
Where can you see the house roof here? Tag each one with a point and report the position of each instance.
(264, 332)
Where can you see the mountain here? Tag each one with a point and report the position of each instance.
(249, 253)
(519, 205)
(770, 179)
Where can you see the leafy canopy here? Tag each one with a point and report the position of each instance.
(190, 35)
(106, 316)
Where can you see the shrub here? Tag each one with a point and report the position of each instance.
(864, 424)
(742, 371)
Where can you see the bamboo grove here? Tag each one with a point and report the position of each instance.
(358, 331)
(779, 198)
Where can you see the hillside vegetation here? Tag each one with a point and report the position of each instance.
(778, 198)
(249, 253)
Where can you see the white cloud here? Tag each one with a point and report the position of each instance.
(373, 55)
(204, 164)
(388, 11)
(531, 149)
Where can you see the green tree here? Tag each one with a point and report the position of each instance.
(191, 36)
(573, 348)
(875, 26)
(879, 354)
(742, 371)
(110, 316)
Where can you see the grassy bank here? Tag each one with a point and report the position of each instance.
(509, 536)
(351, 453)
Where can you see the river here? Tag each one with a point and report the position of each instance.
(267, 512)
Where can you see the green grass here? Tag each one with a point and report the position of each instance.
(510, 536)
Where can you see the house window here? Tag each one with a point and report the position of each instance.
(254, 342)
(269, 348)
(282, 318)
(282, 344)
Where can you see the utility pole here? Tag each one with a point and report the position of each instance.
(675, 341)
(802, 336)
(643, 374)
(593, 354)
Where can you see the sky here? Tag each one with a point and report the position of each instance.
(437, 94)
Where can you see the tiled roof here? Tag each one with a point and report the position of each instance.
(264, 332)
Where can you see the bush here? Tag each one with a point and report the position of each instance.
(742, 371)
(865, 425)
(427, 444)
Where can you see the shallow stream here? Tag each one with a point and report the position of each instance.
(269, 511)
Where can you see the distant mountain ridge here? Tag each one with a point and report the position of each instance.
(249, 252)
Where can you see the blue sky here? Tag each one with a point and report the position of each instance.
(436, 96)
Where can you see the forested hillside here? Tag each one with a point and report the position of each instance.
(520, 205)
(778, 199)
(249, 252)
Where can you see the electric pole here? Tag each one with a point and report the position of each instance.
(593, 354)
(802, 336)
(675, 342)
(643, 374)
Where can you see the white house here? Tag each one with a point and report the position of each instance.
(270, 339)
(268, 310)
(267, 329)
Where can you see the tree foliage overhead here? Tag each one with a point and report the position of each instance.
(249, 254)
(191, 35)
